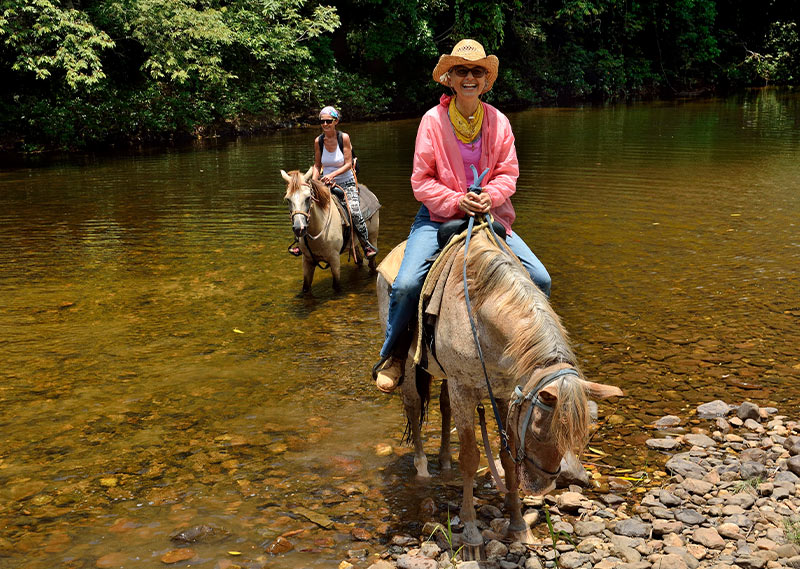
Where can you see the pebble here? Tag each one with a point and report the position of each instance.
(725, 506)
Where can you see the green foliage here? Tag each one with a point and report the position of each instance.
(43, 39)
(780, 61)
(79, 73)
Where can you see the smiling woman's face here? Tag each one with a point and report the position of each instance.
(327, 122)
(464, 82)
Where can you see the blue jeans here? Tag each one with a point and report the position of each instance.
(421, 246)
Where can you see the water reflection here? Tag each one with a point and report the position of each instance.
(159, 370)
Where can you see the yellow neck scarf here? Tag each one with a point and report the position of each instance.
(466, 130)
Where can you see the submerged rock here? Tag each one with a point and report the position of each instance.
(203, 533)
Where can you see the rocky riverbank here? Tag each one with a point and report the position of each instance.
(729, 498)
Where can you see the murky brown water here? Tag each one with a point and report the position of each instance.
(159, 371)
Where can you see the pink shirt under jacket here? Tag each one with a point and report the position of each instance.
(438, 178)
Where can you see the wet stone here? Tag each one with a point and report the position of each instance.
(748, 410)
(794, 465)
(708, 537)
(662, 513)
(672, 560)
(753, 425)
(787, 476)
(177, 555)
(750, 470)
(632, 528)
(569, 501)
(416, 562)
(684, 467)
(743, 499)
(489, 512)
(695, 486)
(713, 409)
(662, 444)
(667, 421)
(669, 499)
(665, 527)
(689, 516)
(495, 549)
(700, 440)
(112, 560)
(587, 528)
(740, 520)
(201, 533)
(573, 560)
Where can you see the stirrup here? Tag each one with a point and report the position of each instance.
(377, 367)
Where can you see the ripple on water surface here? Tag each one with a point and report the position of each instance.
(159, 371)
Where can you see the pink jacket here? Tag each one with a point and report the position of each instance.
(438, 179)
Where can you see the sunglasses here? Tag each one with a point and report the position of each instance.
(326, 121)
(461, 71)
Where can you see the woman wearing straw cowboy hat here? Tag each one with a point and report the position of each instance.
(459, 132)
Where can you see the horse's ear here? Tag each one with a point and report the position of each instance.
(603, 391)
(286, 176)
(308, 174)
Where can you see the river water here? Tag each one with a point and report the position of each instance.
(159, 370)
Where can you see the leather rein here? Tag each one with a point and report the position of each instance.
(520, 397)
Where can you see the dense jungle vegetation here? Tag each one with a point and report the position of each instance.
(77, 73)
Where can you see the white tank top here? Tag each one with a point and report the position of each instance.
(332, 161)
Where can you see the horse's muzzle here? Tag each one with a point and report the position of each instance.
(299, 228)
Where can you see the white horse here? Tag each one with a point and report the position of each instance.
(533, 373)
(318, 226)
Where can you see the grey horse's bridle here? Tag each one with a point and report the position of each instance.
(522, 429)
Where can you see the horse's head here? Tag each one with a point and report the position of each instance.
(547, 418)
(299, 196)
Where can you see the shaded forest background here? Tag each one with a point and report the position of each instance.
(78, 73)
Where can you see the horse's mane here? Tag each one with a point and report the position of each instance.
(320, 191)
(539, 340)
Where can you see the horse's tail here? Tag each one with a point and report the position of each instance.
(422, 380)
(571, 418)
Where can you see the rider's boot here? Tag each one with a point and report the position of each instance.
(389, 376)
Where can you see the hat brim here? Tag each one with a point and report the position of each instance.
(447, 62)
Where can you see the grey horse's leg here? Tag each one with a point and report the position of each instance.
(444, 447)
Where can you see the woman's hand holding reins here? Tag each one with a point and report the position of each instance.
(472, 203)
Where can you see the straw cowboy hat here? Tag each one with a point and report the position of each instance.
(467, 52)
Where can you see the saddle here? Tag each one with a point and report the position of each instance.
(369, 206)
(430, 300)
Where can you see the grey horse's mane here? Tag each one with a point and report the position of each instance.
(539, 340)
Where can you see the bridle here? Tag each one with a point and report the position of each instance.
(522, 429)
(307, 215)
(532, 396)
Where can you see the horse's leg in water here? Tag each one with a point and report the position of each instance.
(335, 262)
(412, 402)
(444, 408)
(308, 272)
(468, 458)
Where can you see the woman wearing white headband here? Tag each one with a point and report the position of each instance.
(333, 165)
